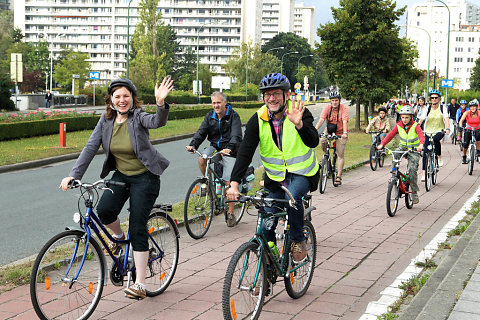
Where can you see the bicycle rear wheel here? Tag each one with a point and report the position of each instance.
(198, 208)
(333, 168)
(428, 173)
(381, 159)
(373, 157)
(239, 210)
(471, 162)
(435, 168)
(408, 197)
(323, 175)
(163, 248)
(245, 283)
(393, 194)
(53, 291)
(298, 281)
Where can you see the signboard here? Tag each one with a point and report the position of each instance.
(221, 82)
(195, 87)
(16, 67)
(297, 85)
(75, 84)
(93, 75)
(297, 91)
(446, 83)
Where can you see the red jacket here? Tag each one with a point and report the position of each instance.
(394, 132)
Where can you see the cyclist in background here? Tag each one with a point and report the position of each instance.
(452, 111)
(460, 112)
(411, 136)
(287, 138)
(379, 123)
(418, 109)
(436, 121)
(223, 128)
(123, 132)
(472, 119)
(336, 115)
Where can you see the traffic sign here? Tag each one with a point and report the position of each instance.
(297, 91)
(446, 83)
(94, 75)
(297, 85)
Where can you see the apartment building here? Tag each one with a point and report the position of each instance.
(277, 16)
(5, 5)
(428, 21)
(304, 22)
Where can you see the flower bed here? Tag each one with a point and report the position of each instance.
(43, 115)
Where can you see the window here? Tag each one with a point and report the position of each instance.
(459, 39)
(471, 39)
(469, 59)
(418, 14)
(457, 59)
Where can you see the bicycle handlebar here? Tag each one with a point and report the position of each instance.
(268, 201)
(329, 136)
(100, 184)
(214, 157)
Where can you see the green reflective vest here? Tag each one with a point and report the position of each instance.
(295, 157)
(409, 139)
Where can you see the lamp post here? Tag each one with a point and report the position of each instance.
(246, 77)
(277, 48)
(285, 54)
(50, 40)
(198, 40)
(298, 63)
(128, 39)
(448, 45)
(429, 47)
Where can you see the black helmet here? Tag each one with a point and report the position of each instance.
(334, 94)
(274, 81)
(122, 82)
(421, 98)
(382, 109)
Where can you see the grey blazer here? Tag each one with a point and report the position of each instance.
(139, 122)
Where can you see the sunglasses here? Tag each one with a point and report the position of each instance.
(434, 97)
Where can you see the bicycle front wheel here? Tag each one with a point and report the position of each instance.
(198, 208)
(471, 162)
(299, 279)
(408, 197)
(381, 159)
(373, 157)
(54, 291)
(435, 168)
(334, 168)
(393, 194)
(239, 210)
(323, 175)
(245, 283)
(428, 172)
(163, 248)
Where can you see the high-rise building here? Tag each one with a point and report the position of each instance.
(304, 22)
(5, 4)
(429, 20)
(277, 17)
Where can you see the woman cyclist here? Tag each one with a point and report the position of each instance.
(472, 119)
(460, 112)
(421, 105)
(436, 121)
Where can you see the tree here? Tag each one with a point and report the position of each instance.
(475, 76)
(74, 63)
(259, 64)
(363, 53)
(290, 43)
(5, 102)
(186, 73)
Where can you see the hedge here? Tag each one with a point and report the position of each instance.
(181, 97)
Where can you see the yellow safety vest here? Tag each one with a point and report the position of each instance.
(295, 157)
(409, 139)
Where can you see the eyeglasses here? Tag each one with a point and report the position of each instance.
(434, 97)
(276, 95)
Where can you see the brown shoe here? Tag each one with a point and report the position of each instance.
(299, 251)
(113, 246)
(135, 292)
(256, 290)
(231, 220)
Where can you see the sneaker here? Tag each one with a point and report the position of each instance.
(231, 220)
(137, 291)
(113, 246)
(299, 251)
(440, 162)
(464, 160)
(203, 190)
(415, 198)
(422, 178)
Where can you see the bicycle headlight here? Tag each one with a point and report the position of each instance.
(429, 147)
(76, 217)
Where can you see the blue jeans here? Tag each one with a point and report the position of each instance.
(298, 187)
(47, 103)
(379, 138)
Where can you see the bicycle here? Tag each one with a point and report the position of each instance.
(432, 167)
(472, 151)
(204, 198)
(454, 134)
(328, 166)
(255, 266)
(398, 184)
(70, 271)
(377, 157)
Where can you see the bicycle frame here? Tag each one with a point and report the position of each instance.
(212, 176)
(397, 174)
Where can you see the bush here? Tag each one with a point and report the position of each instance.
(460, 95)
(186, 97)
(100, 93)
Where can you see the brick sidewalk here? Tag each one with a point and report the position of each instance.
(360, 252)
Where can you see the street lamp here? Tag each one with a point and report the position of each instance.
(277, 48)
(429, 46)
(246, 77)
(198, 40)
(44, 34)
(128, 39)
(448, 45)
(292, 52)
(298, 63)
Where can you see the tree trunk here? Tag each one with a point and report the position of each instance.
(357, 116)
(371, 107)
(365, 112)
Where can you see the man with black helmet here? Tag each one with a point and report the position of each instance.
(336, 115)
(379, 123)
(123, 133)
(287, 138)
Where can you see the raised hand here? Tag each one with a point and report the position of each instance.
(295, 116)
(162, 90)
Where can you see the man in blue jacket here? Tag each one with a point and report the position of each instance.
(223, 128)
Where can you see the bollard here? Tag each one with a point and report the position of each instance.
(63, 134)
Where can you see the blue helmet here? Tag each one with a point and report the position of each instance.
(463, 101)
(274, 81)
(434, 91)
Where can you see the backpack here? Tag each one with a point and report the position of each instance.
(430, 107)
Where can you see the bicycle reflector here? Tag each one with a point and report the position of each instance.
(76, 217)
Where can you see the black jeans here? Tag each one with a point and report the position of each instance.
(143, 191)
(438, 147)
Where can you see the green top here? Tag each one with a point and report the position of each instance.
(435, 121)
(121, 148)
